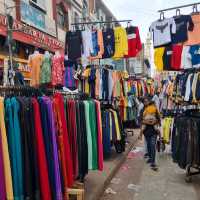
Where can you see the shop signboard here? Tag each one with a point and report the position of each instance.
(32, 16)
(29, 35)
(37, 18)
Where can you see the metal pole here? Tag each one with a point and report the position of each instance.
(9, 38)
(101, 22)
(177, 7)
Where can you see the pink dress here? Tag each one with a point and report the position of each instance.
(58, 70)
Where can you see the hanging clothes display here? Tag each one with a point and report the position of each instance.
(180, 43)
(46, 146)
(112, 131)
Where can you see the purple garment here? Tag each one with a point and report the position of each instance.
(55, 149)
(2, 181)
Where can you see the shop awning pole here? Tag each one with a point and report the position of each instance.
(178, 7)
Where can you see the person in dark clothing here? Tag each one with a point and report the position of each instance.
(150, 131)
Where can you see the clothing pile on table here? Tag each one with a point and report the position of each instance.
(46, 144)
(107, 43)
(176, 42)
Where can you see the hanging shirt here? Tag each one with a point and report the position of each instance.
(134, 42)
(186, 62)
(188, 88)
(109, 43)
(194, 36)
(162, 30)
(176, 57)
(58, 70)
(35, 62)
(100, 46)
(167, 57)
(6, 158)
(158, 58)
(45, 75)
(87, 43)
(73, 44)
(183, 24)
(95, 43)
(121, 43)
(195, 55)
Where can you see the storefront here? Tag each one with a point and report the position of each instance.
(26, 39)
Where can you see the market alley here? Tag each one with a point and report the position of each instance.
(137, 181)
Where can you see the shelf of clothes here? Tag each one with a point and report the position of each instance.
(103, 43)
(46, 144)
(176, 42)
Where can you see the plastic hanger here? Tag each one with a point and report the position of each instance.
(162, 16)
(178, 12)
(195, 10)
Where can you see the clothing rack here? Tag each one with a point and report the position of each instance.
(100, 22)
(178, 7)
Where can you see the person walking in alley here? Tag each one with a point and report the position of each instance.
(150, 129)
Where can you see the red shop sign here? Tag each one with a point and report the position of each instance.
(29, 35)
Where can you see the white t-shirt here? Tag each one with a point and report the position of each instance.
(87, 46)
(186, 62)
(162, 31)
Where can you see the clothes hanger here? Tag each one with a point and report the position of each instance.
(195, 10)
(162, 16)
(178, 12)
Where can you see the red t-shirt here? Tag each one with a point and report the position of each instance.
(176, 57)
(134, 42)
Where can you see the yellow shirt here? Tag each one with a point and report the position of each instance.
(121, 43)
(6, 158)
(158, 58)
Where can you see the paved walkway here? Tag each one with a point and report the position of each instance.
(136, 181)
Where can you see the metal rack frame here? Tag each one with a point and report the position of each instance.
(101, 22)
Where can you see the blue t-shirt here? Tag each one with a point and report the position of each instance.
(195, 55)
(183, 24)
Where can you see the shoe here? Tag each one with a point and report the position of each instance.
(148, 161)
(146, 155)
(154, 167)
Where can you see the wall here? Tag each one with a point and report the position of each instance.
(8, 3)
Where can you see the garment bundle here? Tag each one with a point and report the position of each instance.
(47, 143)
(106, 43)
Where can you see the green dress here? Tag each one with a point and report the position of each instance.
(45, 73)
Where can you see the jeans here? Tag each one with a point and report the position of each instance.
(151, 147)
